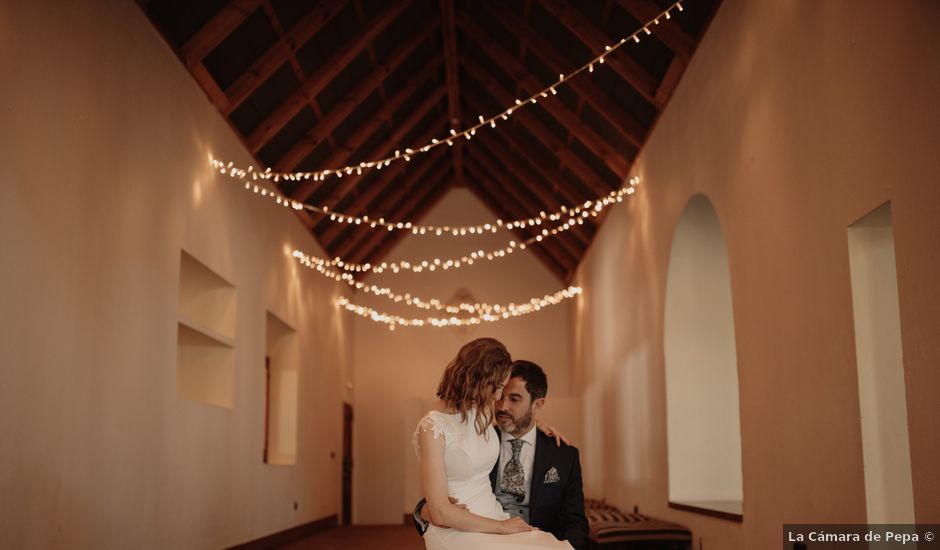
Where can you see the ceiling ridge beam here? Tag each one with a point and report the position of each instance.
(556, 108)
(620, 120)
(325, 127)
(449, 28)
(596, 40)
(316, 82)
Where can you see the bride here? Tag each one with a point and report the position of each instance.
(457, 448)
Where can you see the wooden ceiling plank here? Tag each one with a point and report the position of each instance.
(548, 138)
(214, 32)
(351, 182)
(500, 206)
(671, 79)
(413, 210)
(325, 127)
(453, 86)
(341, 155)
(621, 120)
(363, 201)
(596, 39)
(292, 59)
(573, 240)
(316, 82)
(518, 205)
(567, 118)
(668, 31)
(419, 211)
(348, 183)
(558, 148)
(582, 234)
(280, 52)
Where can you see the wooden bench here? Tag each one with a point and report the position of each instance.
(611, 529)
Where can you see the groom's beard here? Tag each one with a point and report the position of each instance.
(517, 427)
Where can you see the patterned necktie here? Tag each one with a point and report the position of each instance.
(513, 482)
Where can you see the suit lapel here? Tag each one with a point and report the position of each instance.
(495, 470)
(543, 451)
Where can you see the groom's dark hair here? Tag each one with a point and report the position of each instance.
(535, 381)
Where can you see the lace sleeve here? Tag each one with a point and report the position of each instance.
(431, 424)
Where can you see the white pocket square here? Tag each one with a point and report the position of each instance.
(551, 476)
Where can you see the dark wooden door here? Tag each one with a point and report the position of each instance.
(347, 463)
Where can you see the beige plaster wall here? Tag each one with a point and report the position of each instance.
(104, 145)
(396, 373)
(795, 119)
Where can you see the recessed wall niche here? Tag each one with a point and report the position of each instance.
(205, 356)
(282, 359)
(703, 427)
(881, 390)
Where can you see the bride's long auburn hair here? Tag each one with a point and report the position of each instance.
(470, 380)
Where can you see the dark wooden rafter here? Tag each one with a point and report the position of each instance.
(316, 82)
(281, 52)
(497, 199)
(292, 58)
(667, 31)
(449, 27)
(507, 170)
(363, 201)
(326, 230)
(325, 127)
(561, 151)
(555, 153)
(615, 161)
(595, 39)
(347, 184)
(622, 121)
(413, 209)
(341, 155)
(524, 117)
(214, 32)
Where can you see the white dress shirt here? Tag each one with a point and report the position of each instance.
(526, 457)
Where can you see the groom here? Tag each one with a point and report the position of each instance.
(534, 478)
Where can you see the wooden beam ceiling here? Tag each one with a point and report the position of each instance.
(357, 95)
(278, 54)
(596, 40)
(412, 209)
(622, 121)
(389, 177)
(531, 85)
(316, 82)
(347, 184)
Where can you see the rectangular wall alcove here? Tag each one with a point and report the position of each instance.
(205, 358)
(282, 359)
(881, 388)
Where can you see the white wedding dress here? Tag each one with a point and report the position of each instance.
(468, 460)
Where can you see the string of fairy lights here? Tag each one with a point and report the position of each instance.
(251, 174)
(576, 216)
(469, 313)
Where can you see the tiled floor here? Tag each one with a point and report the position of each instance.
(362, 537)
